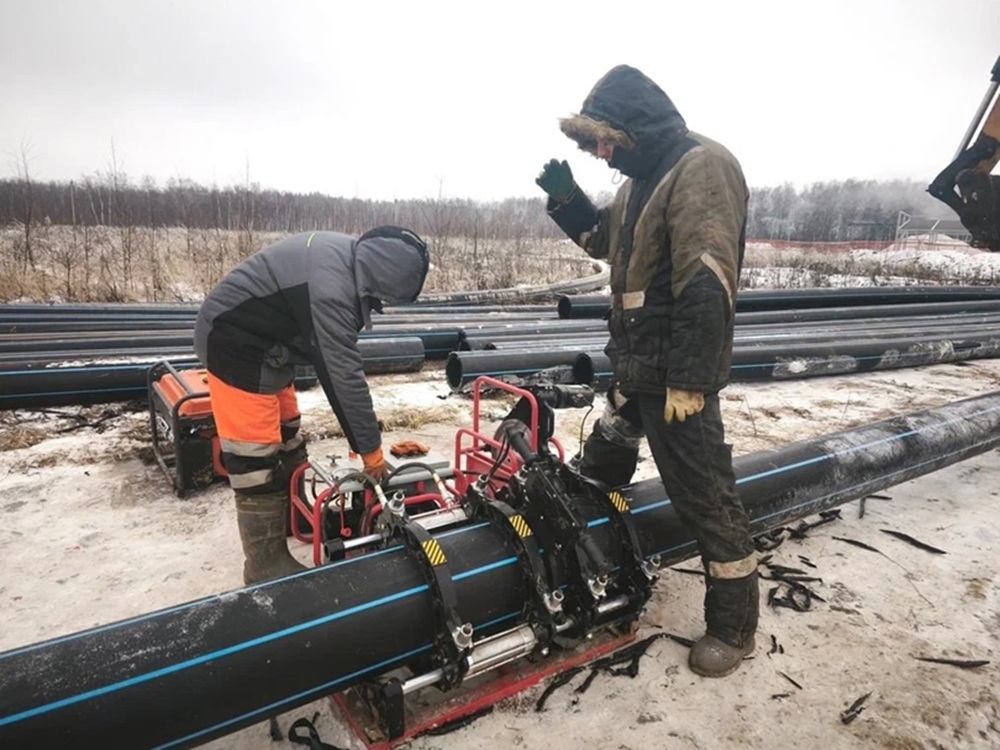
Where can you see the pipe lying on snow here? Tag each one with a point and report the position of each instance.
(184, 675)
(814, 359)
(59, 379)
(759, 300)
(463, 367)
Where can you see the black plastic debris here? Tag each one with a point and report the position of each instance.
(807, 562)
(915, 542)
(856, 543)
(557, 682)
(861, 504)
(792, 595)
(312, 740)
(689, 571)
(681, 640)
(611, 664)
(274, 729)
(961, 663)
(876, 550)
(771, 540)
(853, 711)
(791, 680)
(804, 527)
(456, 724)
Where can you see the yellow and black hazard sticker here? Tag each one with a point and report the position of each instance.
(434, 552)
(520, 525)
(619, 501)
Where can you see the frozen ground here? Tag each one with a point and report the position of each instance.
(91, 534)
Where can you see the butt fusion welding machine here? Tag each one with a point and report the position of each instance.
(580, 604)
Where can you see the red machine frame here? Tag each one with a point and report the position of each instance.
(475, 455)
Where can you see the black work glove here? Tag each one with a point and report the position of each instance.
(556, 179)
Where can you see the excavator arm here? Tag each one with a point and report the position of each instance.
(966, 184)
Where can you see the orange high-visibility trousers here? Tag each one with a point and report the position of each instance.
(253, 429)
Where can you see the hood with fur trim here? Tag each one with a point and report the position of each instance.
(631, 111)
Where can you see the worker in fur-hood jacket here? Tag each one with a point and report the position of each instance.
(674, 236)
(300, 301)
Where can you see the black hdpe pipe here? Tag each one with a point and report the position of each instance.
(515, 343)
(812, 359)
(69, 379)
(762, 335)
(516, 334)
(95, 344)
(86, 311)
(785, 357)
(758, 300)
(463, 367)
(853, 312)
(184, 675)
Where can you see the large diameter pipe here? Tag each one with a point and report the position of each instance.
(463, 367)
(187, 674)
(60, 379)
(781, 486)
(758, 300)
(854, 312)
(784, 361)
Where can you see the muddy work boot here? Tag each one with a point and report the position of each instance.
(731, 609)
(262, 520)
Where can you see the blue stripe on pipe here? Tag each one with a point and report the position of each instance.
(236, 648)
(276, 707)
(187, 664)
(270, 709)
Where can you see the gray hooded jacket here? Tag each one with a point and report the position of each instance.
(303, 300)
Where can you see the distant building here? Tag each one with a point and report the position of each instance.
(930, 231)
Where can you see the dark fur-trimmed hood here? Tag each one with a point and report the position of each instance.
(631, 111)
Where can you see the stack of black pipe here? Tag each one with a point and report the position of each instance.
(86, 353)
(82, 354)
(780, 334)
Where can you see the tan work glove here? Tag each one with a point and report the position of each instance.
(409, 448)
(682, 404)
(374, 464)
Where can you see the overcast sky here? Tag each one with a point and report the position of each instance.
(424, 98)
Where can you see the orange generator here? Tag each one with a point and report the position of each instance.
(185, 443)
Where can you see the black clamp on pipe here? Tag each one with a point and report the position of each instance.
(540, 490)
(640, 574)
(453, 639)
(542, 606)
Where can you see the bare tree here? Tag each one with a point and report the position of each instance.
(22, 167)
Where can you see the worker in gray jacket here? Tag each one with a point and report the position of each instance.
(674, 236)
(302, 300)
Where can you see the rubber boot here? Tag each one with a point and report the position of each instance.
(731, 611)
(262, 521)
(606, 460)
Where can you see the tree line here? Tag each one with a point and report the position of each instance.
(821, 212)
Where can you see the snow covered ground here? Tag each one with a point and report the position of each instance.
(91, 533)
